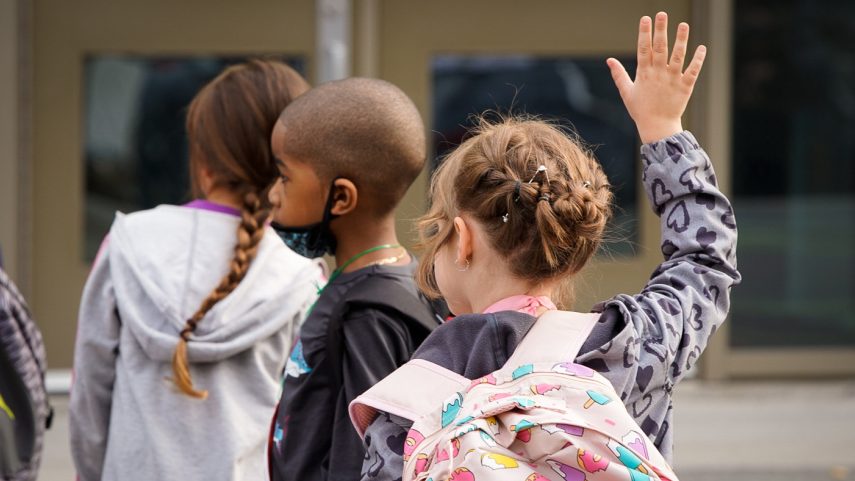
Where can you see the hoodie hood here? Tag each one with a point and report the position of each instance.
(164, 262)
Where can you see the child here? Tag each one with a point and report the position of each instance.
(520, 207)
(204, 289)
(347, 151)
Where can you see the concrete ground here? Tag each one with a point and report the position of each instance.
(760, 431)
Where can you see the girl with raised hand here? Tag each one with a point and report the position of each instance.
(520, 207)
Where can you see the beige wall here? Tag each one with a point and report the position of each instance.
(9, 159)
(393, 39)
(64, 33)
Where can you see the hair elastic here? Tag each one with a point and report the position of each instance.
(517, 187)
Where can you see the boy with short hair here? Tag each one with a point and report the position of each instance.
(347, 152)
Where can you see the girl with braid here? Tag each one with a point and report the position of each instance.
(189, 312)
(520, 207)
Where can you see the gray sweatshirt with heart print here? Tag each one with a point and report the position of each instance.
(644, 343)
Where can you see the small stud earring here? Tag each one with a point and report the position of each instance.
(465, 268)
(505, 218)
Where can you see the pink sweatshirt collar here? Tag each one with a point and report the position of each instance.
(522, 303)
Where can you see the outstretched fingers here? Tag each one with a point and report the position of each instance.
(694, 69)
(620, 77)
(660, 40)
(678, 55)
(645, 49)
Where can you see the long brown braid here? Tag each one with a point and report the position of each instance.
(229, 124)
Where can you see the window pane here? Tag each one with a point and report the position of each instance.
(794, 172)
(135, 146)
(574, 91)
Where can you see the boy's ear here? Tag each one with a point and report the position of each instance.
(345, 197)
(464, 242)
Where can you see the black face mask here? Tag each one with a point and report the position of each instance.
(313, 240)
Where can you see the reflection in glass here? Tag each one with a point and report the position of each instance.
(576, 92)
(794, 172)
(135, 145)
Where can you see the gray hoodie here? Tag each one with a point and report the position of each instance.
(127, 420)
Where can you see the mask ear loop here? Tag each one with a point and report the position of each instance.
(324, 235)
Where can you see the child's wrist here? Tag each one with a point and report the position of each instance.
(658, 131)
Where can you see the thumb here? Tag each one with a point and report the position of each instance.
(620, 77)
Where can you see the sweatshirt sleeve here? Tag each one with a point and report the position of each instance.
(384, 448)
(95, 352)
(660, 333)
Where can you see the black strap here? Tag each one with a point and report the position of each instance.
(382, 293)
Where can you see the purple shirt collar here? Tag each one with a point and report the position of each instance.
(213, 207)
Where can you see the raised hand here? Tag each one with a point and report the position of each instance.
(657, 98)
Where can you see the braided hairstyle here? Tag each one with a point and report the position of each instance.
(541, 197)
(229, 124)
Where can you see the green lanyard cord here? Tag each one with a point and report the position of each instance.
(339, 270)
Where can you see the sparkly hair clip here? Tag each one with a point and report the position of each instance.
(540, 168)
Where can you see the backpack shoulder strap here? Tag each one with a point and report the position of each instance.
(419, 387)
(382, 293)
(555, 336)
(414, 390)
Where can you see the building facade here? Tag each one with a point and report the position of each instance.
(92, 95)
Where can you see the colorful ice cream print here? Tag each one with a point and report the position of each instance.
(462, 474)
(596, 397)
(488, 440)
(573, 369)
(536, 477)
(569, 473)
(635, 442)
(499, 461)
(488, 379)
(493, 425)
(522, 426)
(544, 388)
(563, 428)
(451, 409)
(637, 470)
(444, 455)
(524, 402)
(499, 395)
(591, 462)
(465, 430)
(523, 370)
(414, 438)
(421, 463)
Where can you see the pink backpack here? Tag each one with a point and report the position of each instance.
(539, 418)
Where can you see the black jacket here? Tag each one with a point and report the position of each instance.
(355, 336)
